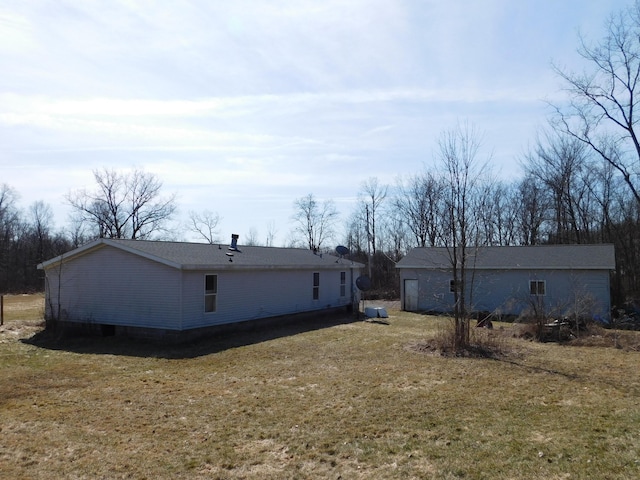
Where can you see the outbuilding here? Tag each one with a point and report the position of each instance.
(560, 279)
(156, 288)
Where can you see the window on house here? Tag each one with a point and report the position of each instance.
(537, 287)
(210, 293)
(452, 286)
(343, 284)
(316, 285)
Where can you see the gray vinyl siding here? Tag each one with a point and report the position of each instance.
(566, 290)
(248, 295)
(113, 287)
(507, 291)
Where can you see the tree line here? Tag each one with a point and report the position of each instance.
(26, 240)
(580, 184)
(123, 205)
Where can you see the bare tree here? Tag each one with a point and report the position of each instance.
(558, 162)
(372, 195)
(41, 220)
(252, 237)
(395, 240)
(25, 240)
(124, 205)
(10, 225)
(271, 233)
(205, 224)
(356, 239)
(498, 207)
(9, 216)
(418, 202)
(314, 221)
(149, 211)
(532, 200)
(77, 231)
(601, 111)
(459, 156)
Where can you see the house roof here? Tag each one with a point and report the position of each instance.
(195, 256)
(539, 257)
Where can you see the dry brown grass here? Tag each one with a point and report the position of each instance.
(351, 400)
(23, 307)
(22, 315)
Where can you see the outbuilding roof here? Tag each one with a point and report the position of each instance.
(190, 256)
(539, 257)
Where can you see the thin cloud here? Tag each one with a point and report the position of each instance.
(270, 99)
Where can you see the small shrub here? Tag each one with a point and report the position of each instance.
(483, 342)
(444, 339)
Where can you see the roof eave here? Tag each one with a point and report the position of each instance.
(99, 243)
(448, 267)
(142, 254)
(237, 266)
(81, 250)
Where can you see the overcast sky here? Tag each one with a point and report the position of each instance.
(240, 107)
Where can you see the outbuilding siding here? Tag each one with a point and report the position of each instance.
(508, 291)
(579, 283)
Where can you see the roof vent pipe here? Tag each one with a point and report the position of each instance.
(234, 242)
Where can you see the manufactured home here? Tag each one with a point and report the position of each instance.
(511, 280)
(153, 288)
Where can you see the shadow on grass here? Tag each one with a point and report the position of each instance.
(228, 337)
(538, 369)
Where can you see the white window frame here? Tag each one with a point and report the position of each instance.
(316, 286)
(211, 295)
(534, 291)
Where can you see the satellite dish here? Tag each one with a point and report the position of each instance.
(342, 250)
(363, 282)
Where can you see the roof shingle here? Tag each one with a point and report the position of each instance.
(186, 255)
(553, 257)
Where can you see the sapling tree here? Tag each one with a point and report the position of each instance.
(463, 170)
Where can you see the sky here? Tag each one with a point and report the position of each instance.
(242, 107)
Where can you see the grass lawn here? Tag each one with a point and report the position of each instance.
(350, 400)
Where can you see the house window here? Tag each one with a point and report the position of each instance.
(210, 293)
(316, 285)
(343, 284)
(537, 287)
(452, 286)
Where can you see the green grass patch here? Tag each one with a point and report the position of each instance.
(351, 400)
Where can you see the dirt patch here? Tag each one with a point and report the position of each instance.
(472, 351)
(20, 329)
